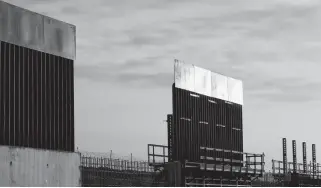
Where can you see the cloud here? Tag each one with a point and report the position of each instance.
(154, 36)
(124, 79)
(294, 98)
(146, 80)
(70, 10)
(127, 74)
(294, 90)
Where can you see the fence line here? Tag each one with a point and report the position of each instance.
(103, 170)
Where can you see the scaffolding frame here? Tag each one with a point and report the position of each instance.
(294, 173)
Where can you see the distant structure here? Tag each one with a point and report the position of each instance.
(207, 112)
(296, 174)
(36, 80)
(205, 132)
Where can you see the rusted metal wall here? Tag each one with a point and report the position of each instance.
(36, 80)
(33, 167)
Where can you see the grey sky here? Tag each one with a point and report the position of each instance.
(124, 66)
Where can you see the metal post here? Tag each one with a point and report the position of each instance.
(262, 163)
(294, 157)
(153, 154)
(231, 160)
(285, 161)
(304, 149)
(204, 158)
(223, 159)
(164, 154)
(314, 160)
(170, 137)
(310, 168)
(254, 164)
(148, 153)
(273, 167)
(318, 171)
(131, 161)
(241, 162)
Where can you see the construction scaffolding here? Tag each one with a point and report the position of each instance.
(98, 170)
(294, 173)
(213, 167)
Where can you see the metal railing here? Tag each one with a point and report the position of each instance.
(98, 170)
(244, 163)
(157, 155)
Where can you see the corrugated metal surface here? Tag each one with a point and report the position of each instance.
(202, 121)
(205, 82)
(36, 99)
(31, 167)
(35, 31)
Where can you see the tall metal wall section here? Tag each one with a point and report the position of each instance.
(207, 112)
(202, 121)
(36, 80)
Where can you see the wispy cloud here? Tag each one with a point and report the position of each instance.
(152, 36)
(71, 10)
(287, 90)
(132, 73)
(125, 79)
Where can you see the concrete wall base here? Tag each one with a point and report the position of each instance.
(33, 167)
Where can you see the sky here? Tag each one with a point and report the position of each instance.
(125, 56)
